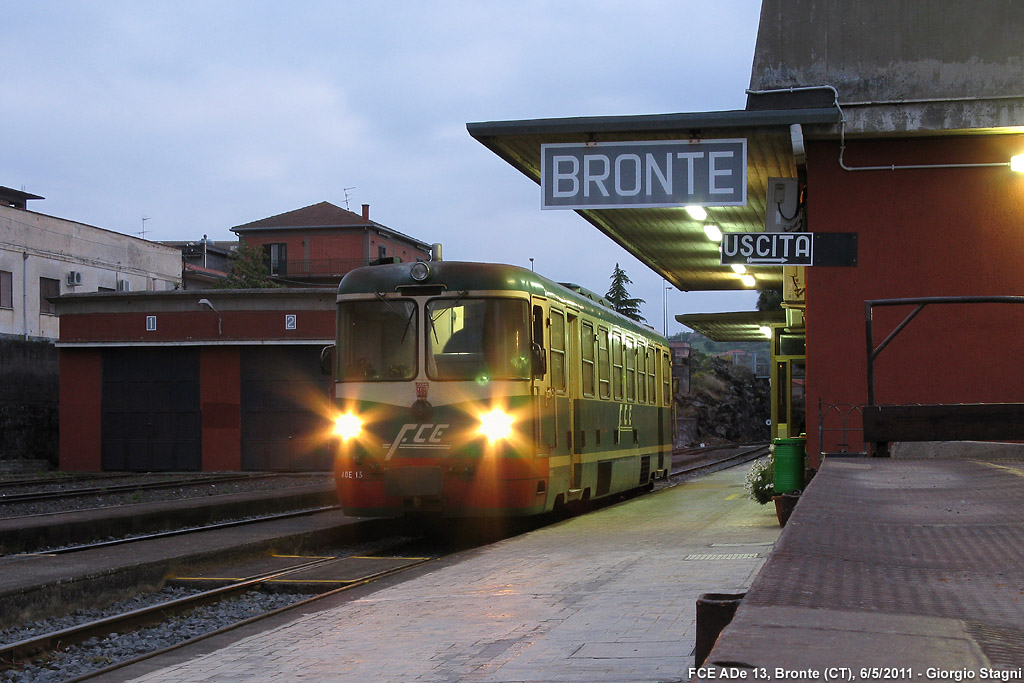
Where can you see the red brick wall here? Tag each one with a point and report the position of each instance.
(220, 404)
(926, 232)
(81, 388)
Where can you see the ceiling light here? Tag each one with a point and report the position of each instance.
(1017, 163)
(748, 280)
(766, 331)
(739, 268)
(697, 213)
(713, 233)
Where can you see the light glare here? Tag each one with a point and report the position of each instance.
(347, 426)
(496, 425)
(697, 213)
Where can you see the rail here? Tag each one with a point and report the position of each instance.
(27, 650)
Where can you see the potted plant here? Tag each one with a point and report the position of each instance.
(760, 487)
(760, 484)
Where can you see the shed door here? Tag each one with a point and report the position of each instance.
(282, 389)
(150, 411)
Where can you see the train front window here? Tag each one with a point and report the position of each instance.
(478, 339)
(377, 340)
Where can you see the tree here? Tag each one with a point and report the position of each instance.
(249, 269)
(619, 297)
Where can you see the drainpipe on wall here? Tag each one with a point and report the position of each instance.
(24, 293)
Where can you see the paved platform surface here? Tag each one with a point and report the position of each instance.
(609, 596)
(914, 568)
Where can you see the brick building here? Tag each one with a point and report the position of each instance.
(318, 244)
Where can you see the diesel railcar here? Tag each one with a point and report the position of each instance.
(477, 390)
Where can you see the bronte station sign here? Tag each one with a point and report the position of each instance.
(652, 173)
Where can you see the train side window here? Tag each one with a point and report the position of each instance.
(587, 356)
(617, 366)
(538, 325)
(666, 377)
(557, 351)
(630, 349)
(603, 364)
(641, 375)
(652, 379)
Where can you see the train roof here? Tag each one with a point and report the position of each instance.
(457, 276)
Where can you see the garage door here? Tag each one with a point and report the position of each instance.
(281, 427)
(151, 419)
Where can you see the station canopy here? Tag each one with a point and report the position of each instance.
(733, 326)
(668, 240)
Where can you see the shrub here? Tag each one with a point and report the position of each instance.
(760, 484)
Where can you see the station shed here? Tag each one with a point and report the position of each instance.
(872, 162)
(214, 380)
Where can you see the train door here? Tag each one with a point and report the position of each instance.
(545, 426)
(572, 390)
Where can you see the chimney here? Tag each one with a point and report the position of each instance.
(366, 212)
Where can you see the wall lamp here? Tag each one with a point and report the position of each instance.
(1017, 163)
(206, 302)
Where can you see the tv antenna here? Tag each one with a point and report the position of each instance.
(346, 196)
(143, 233)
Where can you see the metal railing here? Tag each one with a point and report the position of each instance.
(844, 411)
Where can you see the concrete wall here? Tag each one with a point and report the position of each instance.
(34, 246)
(28, 400)
(880, 53)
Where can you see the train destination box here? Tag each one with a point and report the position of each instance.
(653, 173)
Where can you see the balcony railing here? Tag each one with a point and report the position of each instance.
(317, 268)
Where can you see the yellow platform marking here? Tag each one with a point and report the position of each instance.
(734, 496)
(1011, 470)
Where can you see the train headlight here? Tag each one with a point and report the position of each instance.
(420, 271)
(496, 425)
(347, 426)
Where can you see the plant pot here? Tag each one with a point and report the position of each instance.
(784, 505)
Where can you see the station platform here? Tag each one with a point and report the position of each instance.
(608, 596)
(890, 570)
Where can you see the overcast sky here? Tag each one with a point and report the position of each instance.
(205, 115)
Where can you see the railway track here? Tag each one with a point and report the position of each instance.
(46, 646)
(686, 464)
(189, 530)
(110, 489)
(696, 461)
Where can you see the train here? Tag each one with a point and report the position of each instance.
(468, 390)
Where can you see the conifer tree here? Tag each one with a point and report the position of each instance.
(619, 297)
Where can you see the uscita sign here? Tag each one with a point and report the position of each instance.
(768, 248)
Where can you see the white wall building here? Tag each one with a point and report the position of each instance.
(43, 256)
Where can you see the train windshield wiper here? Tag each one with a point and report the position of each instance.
(441, 311)
(408, 322)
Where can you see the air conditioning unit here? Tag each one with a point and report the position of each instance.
(74, 278)
(124, 286)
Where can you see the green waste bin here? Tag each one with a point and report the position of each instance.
(789, 465)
